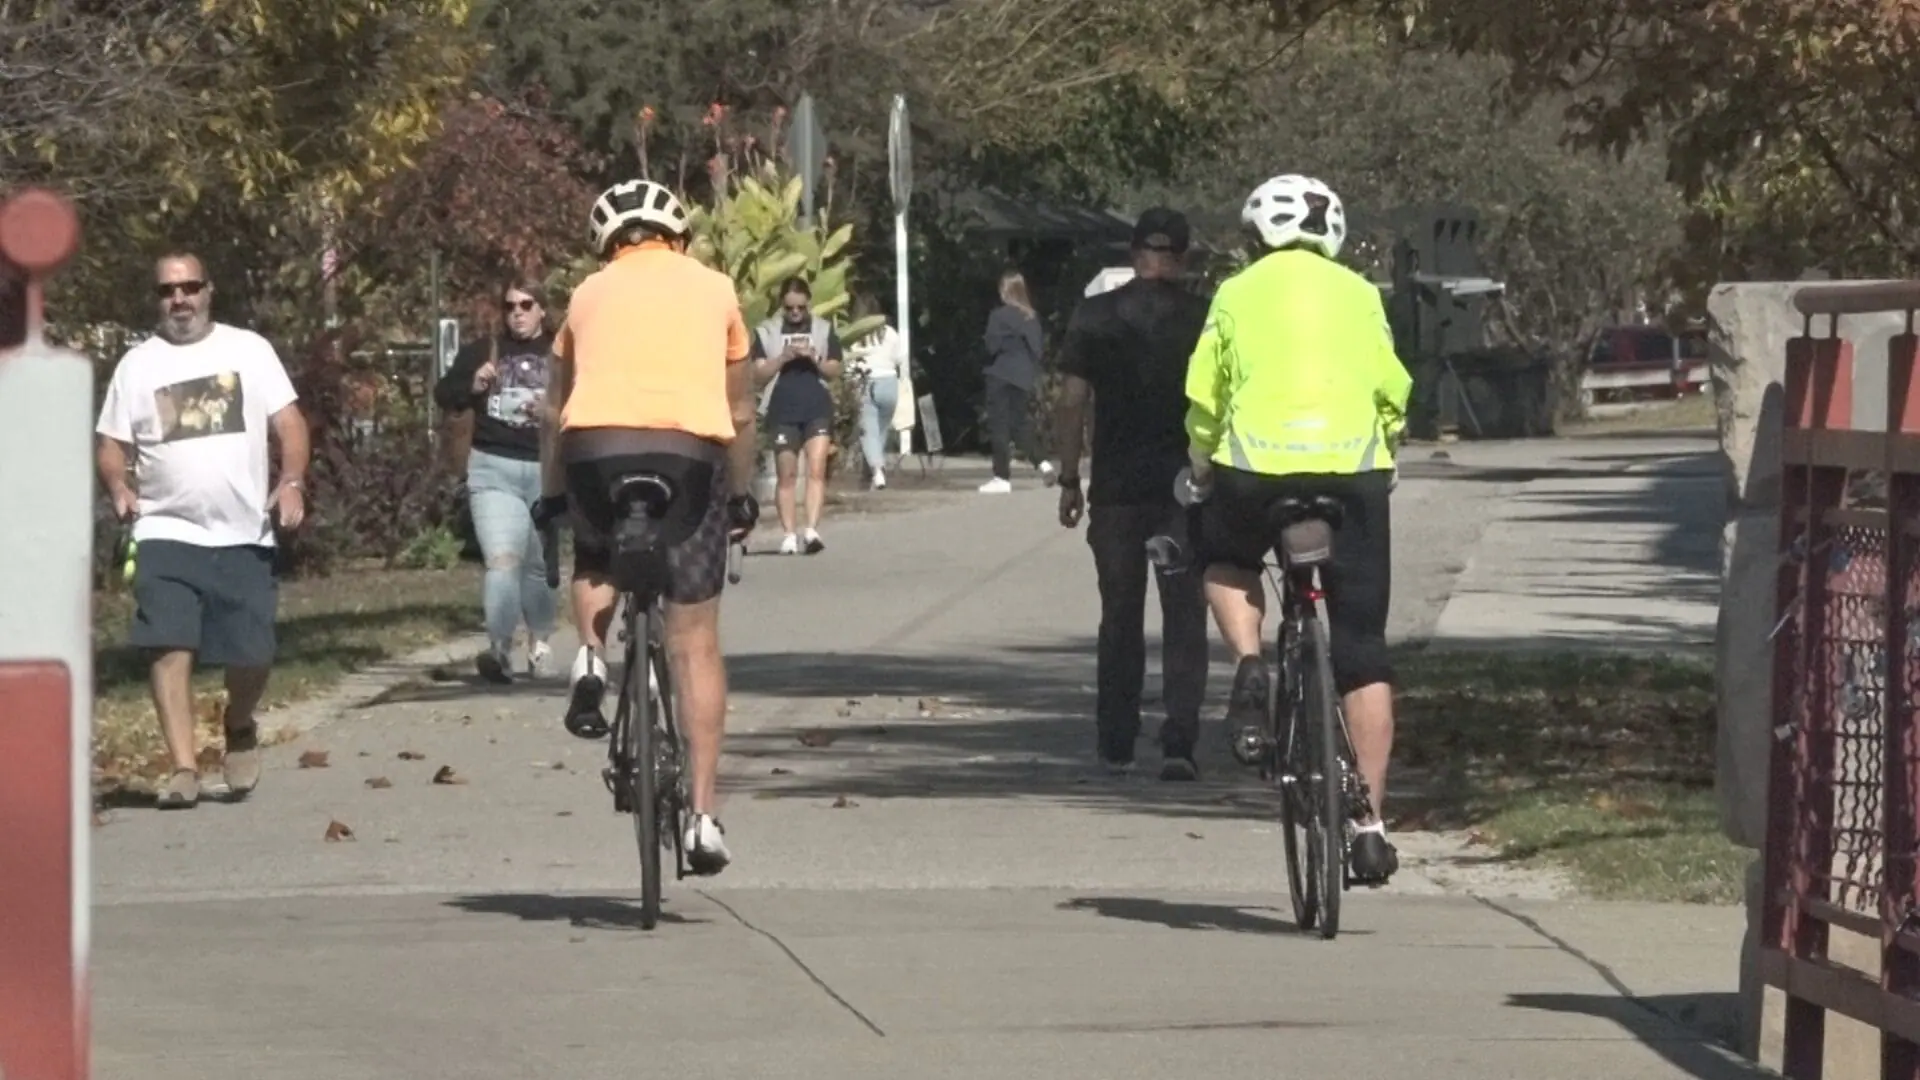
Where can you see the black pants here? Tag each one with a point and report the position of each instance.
(1118, 536)
(1009, 423)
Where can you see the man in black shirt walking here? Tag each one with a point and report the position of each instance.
(1128, 349)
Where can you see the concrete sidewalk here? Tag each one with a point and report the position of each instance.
(943, 889)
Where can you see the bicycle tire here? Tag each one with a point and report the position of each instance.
(673, 794)
(1329, 795)
(644, 766)
(1285, 715)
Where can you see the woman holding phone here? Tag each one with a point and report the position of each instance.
(799, 352)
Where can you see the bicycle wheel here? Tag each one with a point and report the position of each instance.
(671, 762)
(1295, 820)
(1321, 716)
(644, 765)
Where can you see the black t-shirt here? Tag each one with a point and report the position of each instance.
(506, 418)
(801, 396)
(1132, 346)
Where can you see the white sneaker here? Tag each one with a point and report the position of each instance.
(879, 479)
(589, 690)
(706, 846)
(815, 545)
(789, 545)
(1047, 474)
(539, 660)
(996, 486)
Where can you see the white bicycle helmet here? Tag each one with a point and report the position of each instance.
(1293, 209)
(636, 202)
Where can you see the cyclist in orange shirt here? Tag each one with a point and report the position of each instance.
(649, 375)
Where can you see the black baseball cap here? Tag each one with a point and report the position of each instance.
(1162, 228)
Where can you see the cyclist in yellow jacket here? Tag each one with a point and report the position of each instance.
(1294, 390)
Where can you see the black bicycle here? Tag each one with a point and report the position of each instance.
(1306, 749)
(646, 768)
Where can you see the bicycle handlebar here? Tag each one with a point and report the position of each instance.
(736, 559)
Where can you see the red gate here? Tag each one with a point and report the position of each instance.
(1845, 778)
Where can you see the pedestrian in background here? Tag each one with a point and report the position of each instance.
(878, 361)
(799, 352)
(1129, 349)
(502, 381)
(183, 453)
(1014, 347)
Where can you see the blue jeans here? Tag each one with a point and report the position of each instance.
(501, 492)
(877, 403)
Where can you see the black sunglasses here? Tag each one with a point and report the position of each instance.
(166, 289)
(519, 305)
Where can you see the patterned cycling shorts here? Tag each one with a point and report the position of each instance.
(692, 532)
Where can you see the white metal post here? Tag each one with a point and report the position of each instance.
(46, 668)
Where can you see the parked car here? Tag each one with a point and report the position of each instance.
(1628, 363)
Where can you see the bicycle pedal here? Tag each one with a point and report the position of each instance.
(1251, 747)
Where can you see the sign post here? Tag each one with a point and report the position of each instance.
(807, 143)
(46, 667)
(900, 178)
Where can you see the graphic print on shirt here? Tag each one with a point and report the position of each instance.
(197, 408)
(518, 390)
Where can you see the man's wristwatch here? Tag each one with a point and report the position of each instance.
(297, 483)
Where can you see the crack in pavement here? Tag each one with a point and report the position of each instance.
(811, 975)
(1619, 986)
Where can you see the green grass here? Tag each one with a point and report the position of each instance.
(328, 628)
(1601, 765)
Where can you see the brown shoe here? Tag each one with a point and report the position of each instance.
(180, 792)
(242, 764)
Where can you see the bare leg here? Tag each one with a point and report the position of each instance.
(816, 451)
(1370, 723)
(172, 683)
(700, 692)
(1239, 603)
(245, 687)
(593, 599)
(787, 467)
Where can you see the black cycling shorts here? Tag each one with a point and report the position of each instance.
(691, 565)
(1236, 529)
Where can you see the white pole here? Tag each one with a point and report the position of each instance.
(903, 319)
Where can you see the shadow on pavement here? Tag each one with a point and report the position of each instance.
(583, 912)
(1685, 1029)
(1185, 916)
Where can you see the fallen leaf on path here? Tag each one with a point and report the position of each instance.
(928, 705)
(559, 766)
(313, 759)
(844, 803)
(576, 940)
(843, 713)
(818, 737)
(336, 832)
(379, 783)
(446, 775)
(1195, 836)
(782, 772)
(412, 755)
(366, 753)
(564, 813)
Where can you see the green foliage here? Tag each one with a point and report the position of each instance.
(434, 548)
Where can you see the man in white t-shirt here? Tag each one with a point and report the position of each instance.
(183, 452)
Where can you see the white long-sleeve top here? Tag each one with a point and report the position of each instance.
(880, 355)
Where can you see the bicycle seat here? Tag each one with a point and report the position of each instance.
(1306, 528)
(644, 489)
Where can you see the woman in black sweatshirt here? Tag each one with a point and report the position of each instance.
(503, 382)
(1014, 344)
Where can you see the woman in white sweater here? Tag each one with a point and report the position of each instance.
(878, 359)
